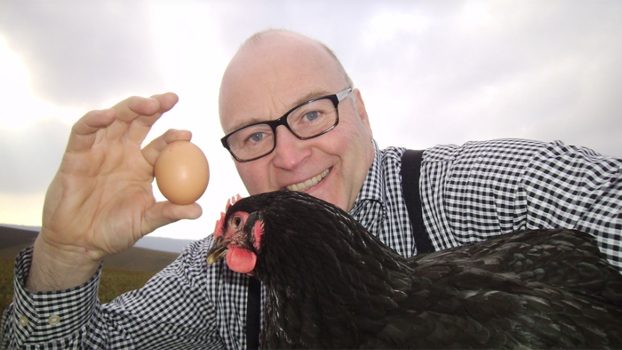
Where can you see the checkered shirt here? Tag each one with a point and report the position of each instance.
(469, 193)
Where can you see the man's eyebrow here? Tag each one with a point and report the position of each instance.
(306, 97)
(248, 122)
(310, 96)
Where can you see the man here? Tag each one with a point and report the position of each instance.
(293, 120)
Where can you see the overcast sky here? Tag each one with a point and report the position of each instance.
(430, 72)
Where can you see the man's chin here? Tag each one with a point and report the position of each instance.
(331, 198)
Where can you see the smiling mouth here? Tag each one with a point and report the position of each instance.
(305, 185)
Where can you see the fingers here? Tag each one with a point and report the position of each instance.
(131, 118)
(143, 113)
(163, 213)
(152, 151)
(83, 133)
(133, 107)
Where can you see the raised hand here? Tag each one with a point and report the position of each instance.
(101, 200)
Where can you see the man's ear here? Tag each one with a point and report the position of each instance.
(359, 107)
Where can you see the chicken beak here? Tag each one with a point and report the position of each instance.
(217, 252)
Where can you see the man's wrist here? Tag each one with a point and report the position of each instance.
(38, 315)
(55, 268)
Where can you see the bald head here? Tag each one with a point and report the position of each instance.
(273, 64)
(276, 34)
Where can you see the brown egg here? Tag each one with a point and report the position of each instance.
(182, 172)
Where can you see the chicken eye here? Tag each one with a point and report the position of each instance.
(237, 221)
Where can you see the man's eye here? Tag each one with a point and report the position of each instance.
(256, 137)
(311, 116)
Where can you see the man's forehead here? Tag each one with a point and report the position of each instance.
(273, 73)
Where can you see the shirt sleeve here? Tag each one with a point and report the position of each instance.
(172, 310)
(481, 189)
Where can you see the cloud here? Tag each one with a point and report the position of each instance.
(30, 156)
(492, 69)
(81, 51)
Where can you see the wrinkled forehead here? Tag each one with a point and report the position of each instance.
(267, 78)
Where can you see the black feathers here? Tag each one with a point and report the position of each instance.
(332, 285)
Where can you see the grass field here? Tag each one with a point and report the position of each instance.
(122, 272)
(6, 283)
(113, 282)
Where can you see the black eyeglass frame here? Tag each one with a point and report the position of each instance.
(282, 120)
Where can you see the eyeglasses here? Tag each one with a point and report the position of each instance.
(307, 120)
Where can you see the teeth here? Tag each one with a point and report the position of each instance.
(308, 183)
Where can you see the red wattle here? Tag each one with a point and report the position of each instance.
(257, 234)
(241, 260)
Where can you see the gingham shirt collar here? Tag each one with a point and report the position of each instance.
(373, 184)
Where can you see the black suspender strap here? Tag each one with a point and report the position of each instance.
(411, 167)
(253, 311)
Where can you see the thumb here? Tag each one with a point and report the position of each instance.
(164, 213)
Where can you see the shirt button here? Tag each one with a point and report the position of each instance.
(53, 320)
(23, 321)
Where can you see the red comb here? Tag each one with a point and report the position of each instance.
(232, 201)
(220, 224)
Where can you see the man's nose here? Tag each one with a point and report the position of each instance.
(290, 151)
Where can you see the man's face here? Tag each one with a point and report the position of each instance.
(266, 80)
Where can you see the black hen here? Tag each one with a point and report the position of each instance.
(331, 284)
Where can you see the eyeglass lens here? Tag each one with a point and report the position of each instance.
(307, 121)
